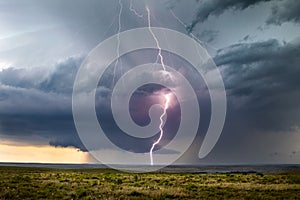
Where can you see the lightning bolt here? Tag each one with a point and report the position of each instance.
(167, 97)
(118, 42)
(166, 106)
(131, 8)
(159, 55)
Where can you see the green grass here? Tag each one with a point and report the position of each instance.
(40, 183)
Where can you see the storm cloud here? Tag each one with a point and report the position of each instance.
(285, 11)
(263, 78)
(36, 102)
(209, 8)
(44, 43)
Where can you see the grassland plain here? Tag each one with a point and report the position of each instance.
(47, 183)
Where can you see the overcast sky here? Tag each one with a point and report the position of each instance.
(254, 43)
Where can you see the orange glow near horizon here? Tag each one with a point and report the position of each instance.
(41, 154)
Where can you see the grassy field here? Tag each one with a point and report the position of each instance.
(42, 183)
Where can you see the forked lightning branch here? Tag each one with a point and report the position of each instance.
(155, 135)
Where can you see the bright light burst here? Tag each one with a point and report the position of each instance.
(165, 107)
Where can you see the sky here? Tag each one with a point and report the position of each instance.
(255, 45)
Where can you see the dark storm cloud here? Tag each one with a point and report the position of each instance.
(246, 53)
(37, 103)
(217, 7)
(58, 79)
(286, 11)
(37, 90)
(262, 80)
(262, 86)
(62, 79)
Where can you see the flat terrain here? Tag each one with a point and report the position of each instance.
(49, 183)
